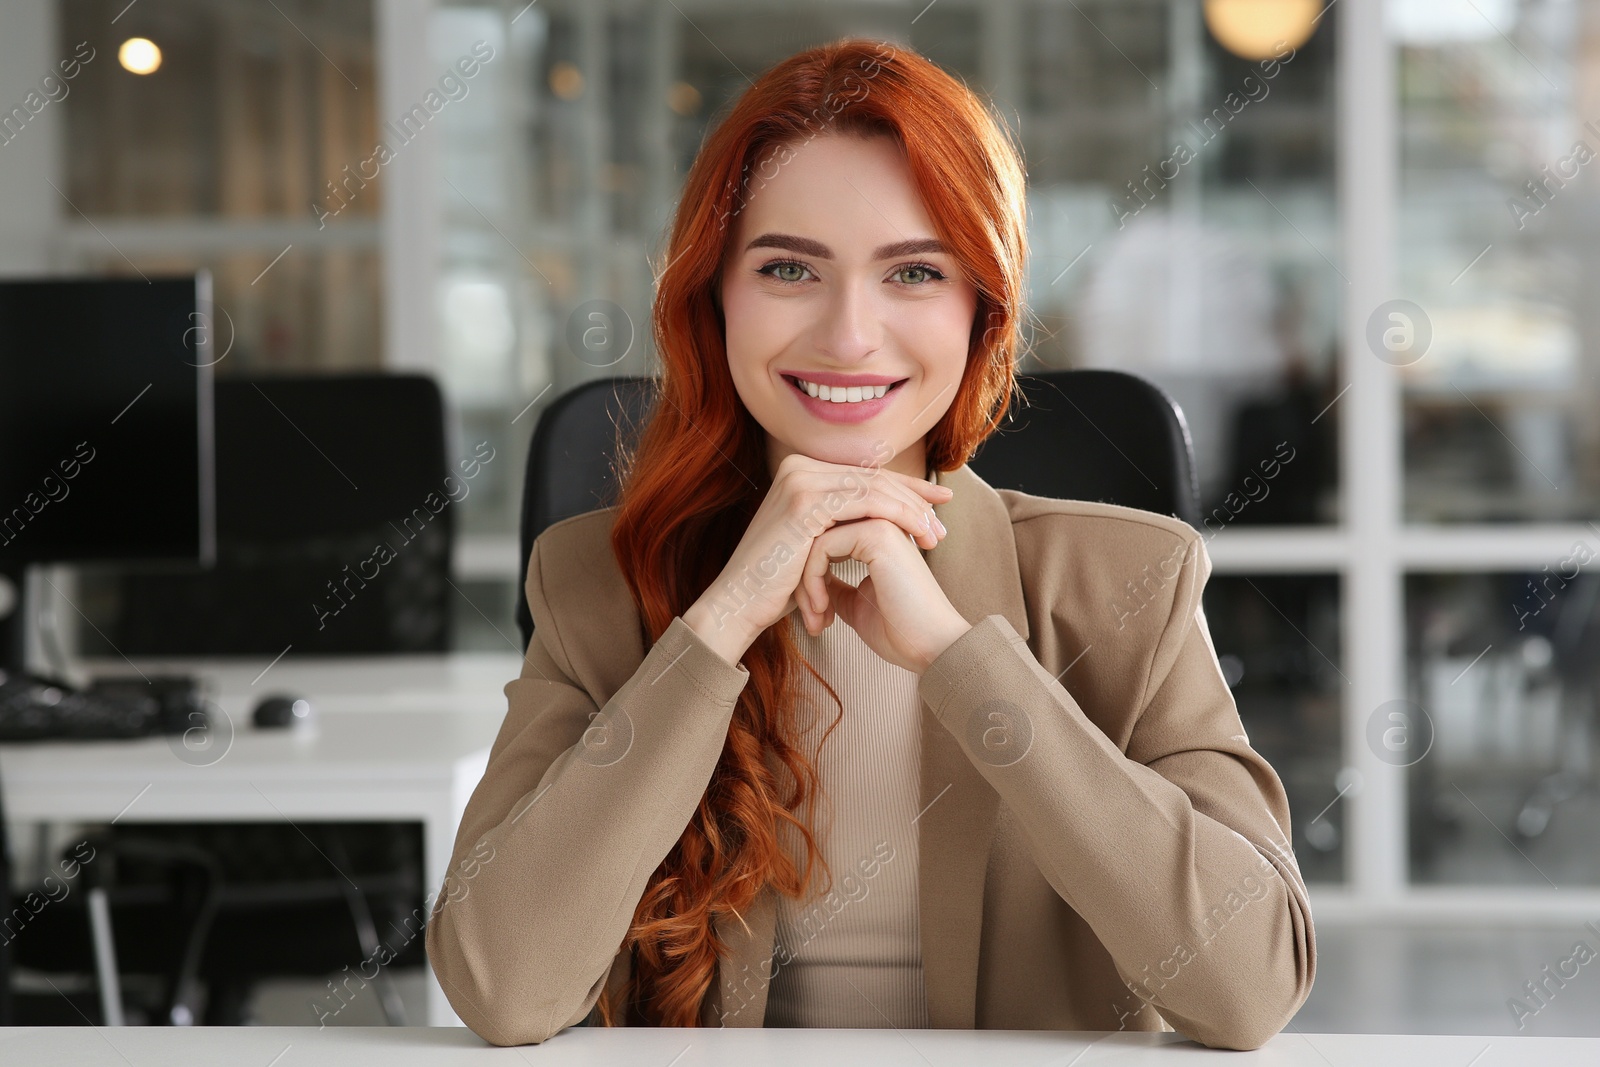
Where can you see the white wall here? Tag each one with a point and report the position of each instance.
(410, 191)
(30, 209)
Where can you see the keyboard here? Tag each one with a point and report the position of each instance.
(39, 709)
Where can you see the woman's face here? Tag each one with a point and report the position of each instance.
(834, 277)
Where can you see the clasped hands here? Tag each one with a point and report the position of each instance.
(815, 514)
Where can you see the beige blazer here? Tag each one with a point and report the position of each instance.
(1100, 847)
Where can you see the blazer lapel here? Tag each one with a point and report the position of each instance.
(977, 563)
(976, 566)
(747, 967)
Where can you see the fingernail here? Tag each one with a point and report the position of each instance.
(942, 530)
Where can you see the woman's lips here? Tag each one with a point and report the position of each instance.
(846, 413)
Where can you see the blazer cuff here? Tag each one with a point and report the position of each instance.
(682, 649)
(958, 676)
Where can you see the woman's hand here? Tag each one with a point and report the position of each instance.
(898, 609)
(808, 498)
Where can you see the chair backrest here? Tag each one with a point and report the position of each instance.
(314, 473)
(1096, 435)
(1100, 435)
(571, 459)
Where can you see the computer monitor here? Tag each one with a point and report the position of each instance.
(105, 425)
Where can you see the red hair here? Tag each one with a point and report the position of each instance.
(700, 468)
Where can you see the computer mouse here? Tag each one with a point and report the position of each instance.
(280, 709)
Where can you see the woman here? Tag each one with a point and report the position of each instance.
(816, 727)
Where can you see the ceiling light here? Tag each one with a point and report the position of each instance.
(139, 55)
(1261, 29)
(566, 80)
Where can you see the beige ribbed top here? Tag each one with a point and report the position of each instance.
(852, 957)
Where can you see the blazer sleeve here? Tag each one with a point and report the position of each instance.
(578, 807)
(1176, 851)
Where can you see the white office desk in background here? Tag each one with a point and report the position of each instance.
(395, 738)
(349, 1046)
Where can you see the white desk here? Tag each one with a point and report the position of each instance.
(395, 739)
(282, 1046)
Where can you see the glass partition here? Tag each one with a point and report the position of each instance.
(254, 113)
(1503, 686)
(1499, 122)
(1277, 640)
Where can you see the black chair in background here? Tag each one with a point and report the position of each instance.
(107, 953)
(571, 459)
(1100, 435)
(1079, 435)
(194, 916)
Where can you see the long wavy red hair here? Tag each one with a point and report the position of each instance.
(699, 470)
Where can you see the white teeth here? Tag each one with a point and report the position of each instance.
(840, 394)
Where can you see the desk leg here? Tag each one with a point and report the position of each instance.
(438, 839)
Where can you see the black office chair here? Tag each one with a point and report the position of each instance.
(107, 950)
(192, 927)
(1079, 435)
(1100, 435)
(571, 459)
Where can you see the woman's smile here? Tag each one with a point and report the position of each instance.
(840, 403)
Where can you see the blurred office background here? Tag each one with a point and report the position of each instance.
(1400, 496)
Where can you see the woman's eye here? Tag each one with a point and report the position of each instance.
(785, 272)
(916, 275)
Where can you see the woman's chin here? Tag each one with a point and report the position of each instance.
(863, 451)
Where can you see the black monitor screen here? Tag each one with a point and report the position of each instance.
(105, 420)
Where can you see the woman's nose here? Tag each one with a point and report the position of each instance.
(851, 330)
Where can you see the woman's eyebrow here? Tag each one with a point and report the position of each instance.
(917, 246)
(805, 246)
